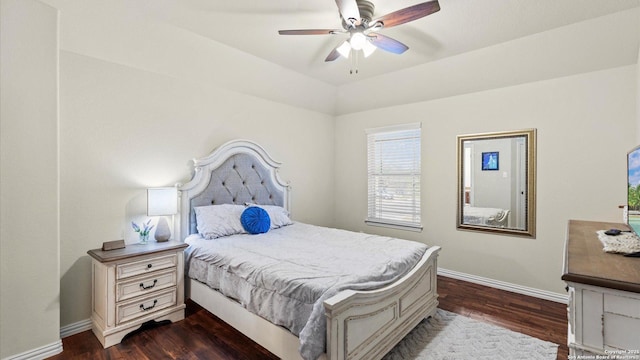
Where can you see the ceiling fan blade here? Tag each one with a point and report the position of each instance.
(408, 14)
(334, 54)
(349, 10)
(388, 44)
(310, 32)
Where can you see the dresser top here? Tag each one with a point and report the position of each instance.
(585, 262)
(133, 250)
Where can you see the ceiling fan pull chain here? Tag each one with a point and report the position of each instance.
(351, 60)
(354, 62)
(355, 58)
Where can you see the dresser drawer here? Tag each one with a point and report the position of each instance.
(145, 284)
(621, 332)
(143, 306)
(146, 266)
(622, 305)
(621, 321)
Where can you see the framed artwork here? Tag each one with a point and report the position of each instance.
(490, 160)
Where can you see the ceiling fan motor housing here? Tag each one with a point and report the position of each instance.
(366, 9)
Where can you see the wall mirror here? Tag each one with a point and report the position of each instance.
(497, 182)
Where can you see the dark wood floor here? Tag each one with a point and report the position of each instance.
(542, 319)
(203, 336)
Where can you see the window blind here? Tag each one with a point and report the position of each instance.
(393, 163)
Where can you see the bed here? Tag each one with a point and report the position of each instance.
(357, 323)
(485, 216)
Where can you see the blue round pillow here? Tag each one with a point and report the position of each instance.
(255, 220)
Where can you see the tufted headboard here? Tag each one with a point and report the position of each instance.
(238, 172)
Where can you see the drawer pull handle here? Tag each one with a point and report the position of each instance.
(150, 307)
(149, 266)
(150, 286)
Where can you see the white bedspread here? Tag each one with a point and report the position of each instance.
(482, 216)
(286, 274)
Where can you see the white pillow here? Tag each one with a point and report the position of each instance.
(279, 216)
(215, 221)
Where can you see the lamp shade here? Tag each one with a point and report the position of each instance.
(162, 201)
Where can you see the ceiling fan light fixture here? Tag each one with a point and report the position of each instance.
(368, 48)
(344, 49)
(358, 41)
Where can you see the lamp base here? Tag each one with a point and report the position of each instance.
(163, 233)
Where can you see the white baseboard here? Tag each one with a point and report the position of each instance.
(75, 328)
(40, 353)
(541, 294)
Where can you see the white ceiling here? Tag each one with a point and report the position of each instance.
(460, 26)
(251, 26)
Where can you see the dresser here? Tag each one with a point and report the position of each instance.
(604, 295)
(135, 285)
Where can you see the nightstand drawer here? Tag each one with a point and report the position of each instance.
(147, 284)
(145, 266)
(147, 305)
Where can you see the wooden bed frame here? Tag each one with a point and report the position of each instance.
(360, 324)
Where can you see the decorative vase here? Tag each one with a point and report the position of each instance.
(144, 238)
(163, 233)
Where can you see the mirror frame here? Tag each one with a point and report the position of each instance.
(530, 136)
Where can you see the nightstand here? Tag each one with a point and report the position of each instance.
(135, 285)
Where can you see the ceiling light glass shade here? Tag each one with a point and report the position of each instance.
(358, 40)
(368, 48)
(344, 49)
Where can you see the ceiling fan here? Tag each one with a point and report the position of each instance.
(358, 22)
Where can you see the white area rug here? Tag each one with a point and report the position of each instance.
(449, 336)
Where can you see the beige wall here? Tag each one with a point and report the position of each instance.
(124, 129)
(138, 100)
(586, 123)
(638, 95)
(29, 182)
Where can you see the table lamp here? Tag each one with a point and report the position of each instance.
(162, 202)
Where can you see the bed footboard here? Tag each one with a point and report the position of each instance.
(367, 324)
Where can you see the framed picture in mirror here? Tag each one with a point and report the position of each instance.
(490, 160)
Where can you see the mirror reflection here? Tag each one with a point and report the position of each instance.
(496, 176)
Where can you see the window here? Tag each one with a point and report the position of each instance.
(393, 162)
